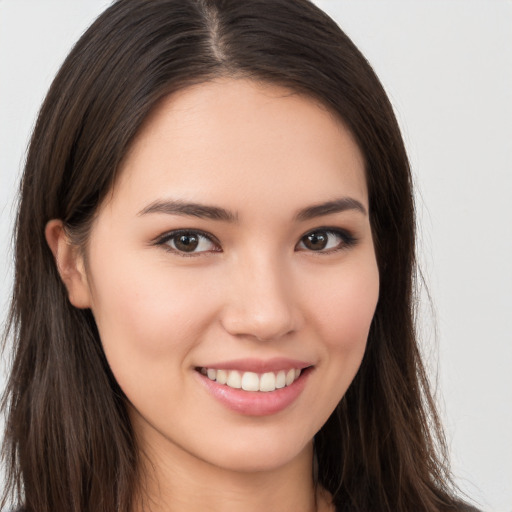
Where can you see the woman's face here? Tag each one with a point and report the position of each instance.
(235, 250)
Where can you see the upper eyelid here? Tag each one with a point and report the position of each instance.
(330, 229)
(169, 234)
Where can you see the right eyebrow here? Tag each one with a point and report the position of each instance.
(189, 209)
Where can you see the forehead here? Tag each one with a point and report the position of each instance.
(233, 139)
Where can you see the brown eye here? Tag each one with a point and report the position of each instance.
(316, 241)
(324, 240)
(186, 243)
(191, 242)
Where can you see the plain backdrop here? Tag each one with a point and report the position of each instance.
(447, 66)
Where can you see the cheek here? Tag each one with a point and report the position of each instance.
(145, 318)
(346, 309)
(342, 310)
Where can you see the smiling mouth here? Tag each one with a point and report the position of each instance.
(251, 381)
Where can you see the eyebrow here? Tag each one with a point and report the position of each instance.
(335, 206)
(177, 207)
(190, 209)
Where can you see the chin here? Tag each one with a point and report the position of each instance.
(257, 455)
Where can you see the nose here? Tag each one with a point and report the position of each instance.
(260, 301)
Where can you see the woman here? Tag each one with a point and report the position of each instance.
(214, 260)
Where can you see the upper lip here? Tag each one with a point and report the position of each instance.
(259, 365)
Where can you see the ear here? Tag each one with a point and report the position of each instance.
(70, 264)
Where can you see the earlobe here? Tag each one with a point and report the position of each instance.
(70, 264)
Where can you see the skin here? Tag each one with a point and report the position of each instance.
(257, 291)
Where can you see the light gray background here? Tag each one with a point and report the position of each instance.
(447, 66)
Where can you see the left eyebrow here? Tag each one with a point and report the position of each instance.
(329, 207)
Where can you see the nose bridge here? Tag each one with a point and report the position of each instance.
(260, 300)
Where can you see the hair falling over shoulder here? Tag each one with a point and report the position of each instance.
(69, 445)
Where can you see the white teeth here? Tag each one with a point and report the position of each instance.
(251, 381)
(234, 379)
(222, 376)
(268, 382)
(280, 380)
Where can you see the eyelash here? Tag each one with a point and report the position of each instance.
(347, 240)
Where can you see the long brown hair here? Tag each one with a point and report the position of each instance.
(69, 446)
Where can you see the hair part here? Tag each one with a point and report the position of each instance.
(69, 446)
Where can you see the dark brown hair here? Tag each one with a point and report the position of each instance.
(69, 445)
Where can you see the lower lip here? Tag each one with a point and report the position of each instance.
(256, 403)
